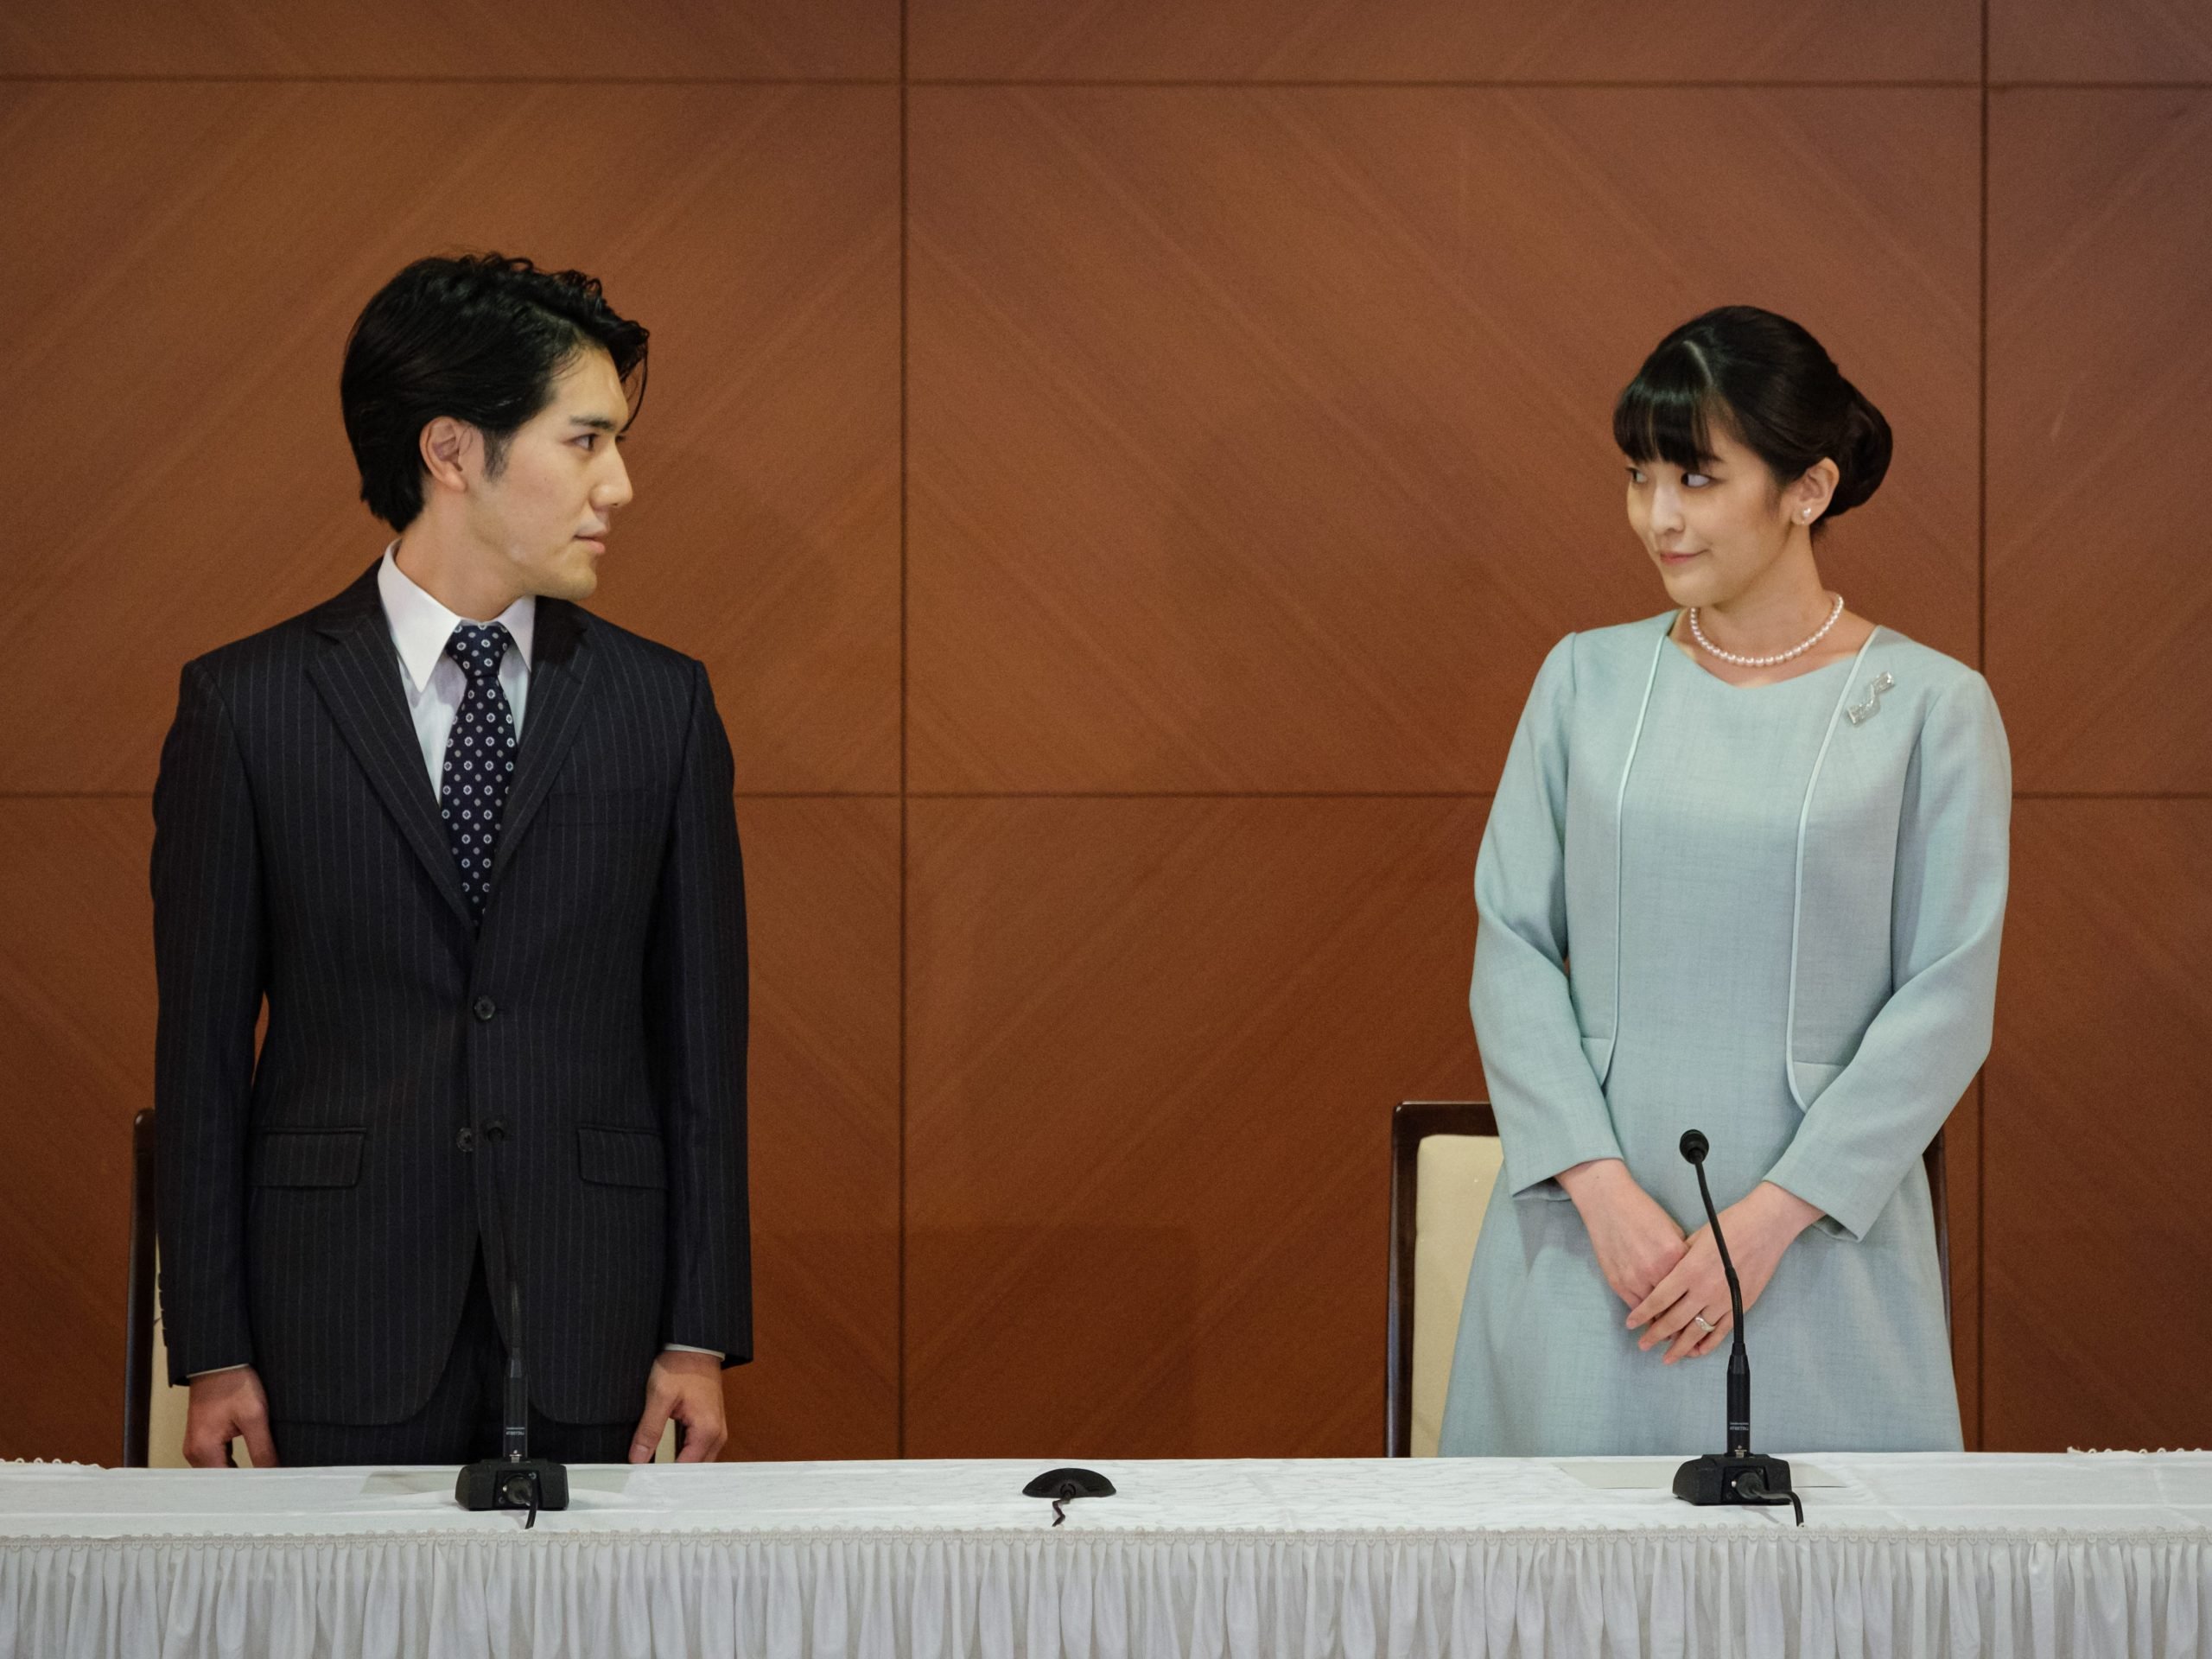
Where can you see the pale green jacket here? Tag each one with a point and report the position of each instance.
(1901, 879)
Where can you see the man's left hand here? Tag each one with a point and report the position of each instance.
(688, 1388)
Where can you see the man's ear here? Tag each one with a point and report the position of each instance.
(451, 451)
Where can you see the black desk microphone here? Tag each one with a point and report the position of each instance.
(1739, 1475)
(514, 1480)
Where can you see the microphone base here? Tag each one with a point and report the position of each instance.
(1712, 1479)
(497, 1483)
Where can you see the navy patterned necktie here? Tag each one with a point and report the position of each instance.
(480, 759)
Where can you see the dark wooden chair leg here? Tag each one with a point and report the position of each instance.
(138, 1331)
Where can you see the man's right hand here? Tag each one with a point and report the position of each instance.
(225, 1405)
(1637, 1241)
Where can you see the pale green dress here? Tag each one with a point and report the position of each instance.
(1795, 914)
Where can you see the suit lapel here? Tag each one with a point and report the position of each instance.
(358, 676)
(560, 668)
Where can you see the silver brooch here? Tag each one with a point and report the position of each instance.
(1862, 712)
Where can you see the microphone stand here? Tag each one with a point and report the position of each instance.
(514, 1480)
(1739, 1475)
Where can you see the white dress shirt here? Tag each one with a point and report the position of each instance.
(433, 680)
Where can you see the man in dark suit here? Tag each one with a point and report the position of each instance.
(476, 849)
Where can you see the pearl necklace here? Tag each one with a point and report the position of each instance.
(1712, 650)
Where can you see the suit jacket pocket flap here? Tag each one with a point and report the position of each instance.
(620, 1157)
(307, 1158)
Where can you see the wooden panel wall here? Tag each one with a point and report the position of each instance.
(2098, 1139)
(1123, 465)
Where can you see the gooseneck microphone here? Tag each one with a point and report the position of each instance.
(513, 1480)
(1739, 1475)
(515, 1442)
(1694, 1146)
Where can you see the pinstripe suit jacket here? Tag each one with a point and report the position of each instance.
(580, 1057)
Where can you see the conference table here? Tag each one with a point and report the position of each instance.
(1927, 1555)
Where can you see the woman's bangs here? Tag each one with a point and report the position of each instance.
(1665, 411)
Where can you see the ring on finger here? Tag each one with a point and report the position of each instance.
(1703, 1323)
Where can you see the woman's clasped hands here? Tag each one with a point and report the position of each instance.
(1670, 1282)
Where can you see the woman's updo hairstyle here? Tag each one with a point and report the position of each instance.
(1770, 385)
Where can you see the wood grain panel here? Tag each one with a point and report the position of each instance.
(2100, 373)
(1153, 1047)
(506, 39)
(2114, 40)
(77, 1050)
(1260, 439)
(1444, 39)
(2099, 1150)
(821, 894)
(187, 262)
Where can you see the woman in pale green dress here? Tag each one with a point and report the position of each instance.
(1744, 872)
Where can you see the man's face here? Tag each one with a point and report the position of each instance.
(546, 515)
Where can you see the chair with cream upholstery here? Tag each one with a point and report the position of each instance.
(1444, 1157)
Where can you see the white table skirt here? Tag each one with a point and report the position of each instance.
(1918, 1555)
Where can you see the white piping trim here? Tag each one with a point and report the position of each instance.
(1620, 803)
(1797, 896)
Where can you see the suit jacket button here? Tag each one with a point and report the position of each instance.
(485, 1007)
(466, 1140)
(495, 1130)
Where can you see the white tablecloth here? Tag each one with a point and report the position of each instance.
(1918, 1555)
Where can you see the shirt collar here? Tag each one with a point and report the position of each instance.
(420, 626)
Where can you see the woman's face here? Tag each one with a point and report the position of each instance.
(1715, 534)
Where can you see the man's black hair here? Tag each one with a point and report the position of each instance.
(480, 337)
